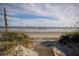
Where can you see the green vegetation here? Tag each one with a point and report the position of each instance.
(71, 37)
(14, 37)
(11, 36)
(10, 39)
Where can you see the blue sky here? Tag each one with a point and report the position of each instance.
(40, 14)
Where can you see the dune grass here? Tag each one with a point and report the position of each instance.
(11, 39)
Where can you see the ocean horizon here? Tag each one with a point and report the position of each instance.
(41, 29)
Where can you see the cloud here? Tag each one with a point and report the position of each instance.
(40, 14)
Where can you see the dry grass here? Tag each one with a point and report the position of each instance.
(12, 39)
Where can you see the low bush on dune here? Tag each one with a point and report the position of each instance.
(11, 39)
(69, 37)
(11, 36)
(15, 38)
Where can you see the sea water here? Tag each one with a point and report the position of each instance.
(25, 29)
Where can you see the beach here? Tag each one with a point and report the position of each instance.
(44, 34)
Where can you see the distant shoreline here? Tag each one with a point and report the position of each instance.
(43, 27)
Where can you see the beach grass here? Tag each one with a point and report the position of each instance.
(10, 39)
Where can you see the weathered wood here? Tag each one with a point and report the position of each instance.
(53, 53)
(57, 52)
(5, 18)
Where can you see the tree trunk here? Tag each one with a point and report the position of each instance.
(6, 25)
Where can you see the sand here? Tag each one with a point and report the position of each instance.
(44, 34)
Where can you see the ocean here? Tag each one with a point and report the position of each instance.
(40, 29)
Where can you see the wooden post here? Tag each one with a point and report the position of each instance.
(6, 25)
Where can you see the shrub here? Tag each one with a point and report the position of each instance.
(11, 36)
(12, 39)
(69, 37)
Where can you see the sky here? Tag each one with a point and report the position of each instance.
(40, 14)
